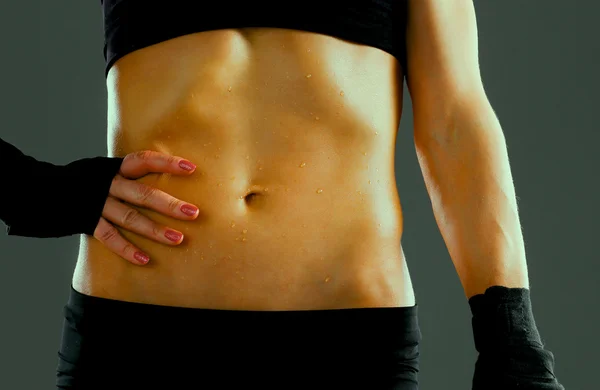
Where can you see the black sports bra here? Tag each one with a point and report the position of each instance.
(130, 25)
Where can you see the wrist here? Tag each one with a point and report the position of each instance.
(502, 318)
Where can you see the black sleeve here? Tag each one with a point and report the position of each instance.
(40, 199)
(511, 352)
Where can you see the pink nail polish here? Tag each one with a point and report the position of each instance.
(141, 257)
(188, 209)
(185, 164)
(173, 235)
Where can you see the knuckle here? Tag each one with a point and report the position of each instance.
(128, 250)
(130, 217)
(157, 231)
(173, 204)
(172, 160)
(108, 234)
(116, 180)
(143, 155)
(145, 192)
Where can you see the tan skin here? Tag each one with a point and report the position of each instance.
(311, 138)
(293, 134)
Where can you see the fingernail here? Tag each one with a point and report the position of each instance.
(141, 257)
(185, 164)
(173, 235)
(188, 209)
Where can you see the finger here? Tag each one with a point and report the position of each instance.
(129, 218)
(138, 164)
(141, 194)
(114, 241)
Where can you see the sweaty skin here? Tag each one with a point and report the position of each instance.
(293, 134)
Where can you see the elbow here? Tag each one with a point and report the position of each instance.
(453, 126)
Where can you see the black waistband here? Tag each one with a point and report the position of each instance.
(97, 311)
(110, 341)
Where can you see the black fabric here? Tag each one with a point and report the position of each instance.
(511, 352)
(130, 25)
(111, 344)
(40, 199)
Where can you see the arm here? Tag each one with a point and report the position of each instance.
(463, 156)
(461, 148)
(40, 199)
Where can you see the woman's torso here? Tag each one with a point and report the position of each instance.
(305, 121)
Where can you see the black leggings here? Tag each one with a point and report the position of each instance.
(111, 344)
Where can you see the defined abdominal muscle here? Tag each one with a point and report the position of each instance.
(293, 135)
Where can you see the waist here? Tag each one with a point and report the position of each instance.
(285, 249)
(322, 228)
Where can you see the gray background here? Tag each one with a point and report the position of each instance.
(539, 61)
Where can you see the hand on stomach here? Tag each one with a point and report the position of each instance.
(298, 207)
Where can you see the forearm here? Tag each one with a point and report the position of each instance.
(41, 199)
(465, 166)
(467, 173)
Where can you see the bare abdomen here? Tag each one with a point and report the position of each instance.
(295, 179)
